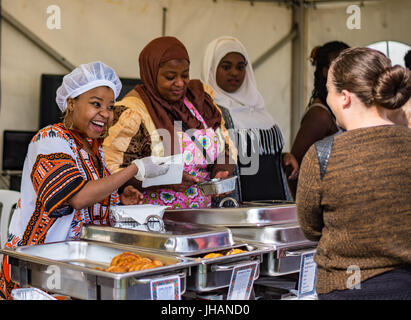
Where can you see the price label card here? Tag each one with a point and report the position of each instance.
(242, 280)
(166, 288)
(308, 275)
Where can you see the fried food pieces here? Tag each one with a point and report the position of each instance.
(216, 255)
(212, 255)
(128, 262)
(234, 251)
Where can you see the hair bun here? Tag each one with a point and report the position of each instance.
(393, 87)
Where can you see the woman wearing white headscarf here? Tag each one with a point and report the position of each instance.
(65, 180)
(227, 69)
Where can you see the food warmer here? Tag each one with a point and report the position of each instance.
(180, 247)
(72, 268)
(188, 241)
(272, 224)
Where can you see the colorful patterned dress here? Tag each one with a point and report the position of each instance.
(195, 164)
(56, 168)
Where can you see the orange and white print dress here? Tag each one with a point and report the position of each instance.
(55, 168)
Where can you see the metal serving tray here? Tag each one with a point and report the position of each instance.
(189, 241)
(287, 244)
(215, 273)
(217, 186)
(30, 294)
(248, 216)
(176, 238)
(278, 236)
(73, 263)
(186, 240)
(266, 203)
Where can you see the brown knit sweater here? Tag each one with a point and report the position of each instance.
(361, 211)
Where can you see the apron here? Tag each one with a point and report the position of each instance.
(195, 163)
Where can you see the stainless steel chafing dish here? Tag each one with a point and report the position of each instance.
(242, 216)
(174, 238)
(266, 224)
(191, 241)
(72, 266)
(215, 273)
(287, 244)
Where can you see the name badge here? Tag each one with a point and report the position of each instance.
(166, 288)
(242, 280)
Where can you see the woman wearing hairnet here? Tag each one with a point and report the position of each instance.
(65, 181)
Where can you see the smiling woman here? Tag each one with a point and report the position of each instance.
(65, 181)
(173, 78)
(170, 114)
(94, 112)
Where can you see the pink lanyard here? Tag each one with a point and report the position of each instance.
(194, 111)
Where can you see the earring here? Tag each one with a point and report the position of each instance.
(68, 121)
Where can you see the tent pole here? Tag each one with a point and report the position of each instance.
(298, 69)
(36, 40)
(287, 38)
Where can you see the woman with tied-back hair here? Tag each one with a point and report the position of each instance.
(359, 206)
(403, 115)
(319, 121)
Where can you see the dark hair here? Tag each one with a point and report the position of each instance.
(407, 59)
(369, 74)
(321, 57)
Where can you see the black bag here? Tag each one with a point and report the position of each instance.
(323, 149)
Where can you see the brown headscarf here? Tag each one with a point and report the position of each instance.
(164, 112)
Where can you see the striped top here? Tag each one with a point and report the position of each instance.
(56, 168)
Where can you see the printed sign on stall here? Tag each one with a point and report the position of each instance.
(242, 280)
(166, 288)
(308, 275)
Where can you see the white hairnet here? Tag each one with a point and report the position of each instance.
(84, 78)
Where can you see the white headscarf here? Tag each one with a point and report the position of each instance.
(246, 105)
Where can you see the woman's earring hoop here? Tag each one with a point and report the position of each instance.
(68, 121)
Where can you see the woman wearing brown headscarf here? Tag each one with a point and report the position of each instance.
(166, 115)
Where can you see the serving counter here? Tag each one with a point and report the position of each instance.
(198, 250)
